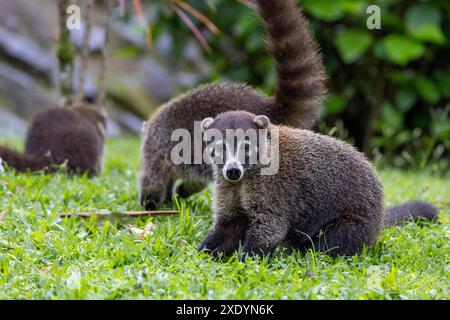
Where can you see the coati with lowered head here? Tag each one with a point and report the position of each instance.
(325, 196)
(71, 136)
(299, 93)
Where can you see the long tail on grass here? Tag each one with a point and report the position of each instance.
(408, 211)
(22, 162)
(300, 72)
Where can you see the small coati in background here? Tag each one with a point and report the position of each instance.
(71, 136)
(299, 93)
(325, 196)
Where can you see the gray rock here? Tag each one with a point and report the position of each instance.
(90, 85)
(164, 45)
(26, 52)
(11, 126)
(128, 121)
(36, 22)
(112, 128)
(126, 33)
(96, 41)
(187, 79)
(160, 82)
(8, 17)
(19, 92)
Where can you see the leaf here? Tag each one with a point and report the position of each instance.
(405, 98)
(328, 10)
(427, 90)
(443, 82)
(141, 233)
(352, 6)
(148, 229)
(248, 3)
(390, 117)
(351, 44)
(423, 23)
(335, 103)
(134, 230)
(401, 50)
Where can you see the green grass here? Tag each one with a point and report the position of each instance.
(45, 257)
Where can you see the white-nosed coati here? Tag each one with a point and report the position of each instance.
(325, 196)
(71, 136)
(299, 93)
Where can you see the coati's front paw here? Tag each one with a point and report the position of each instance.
(150, 200)
(253, 249)
(210, 246)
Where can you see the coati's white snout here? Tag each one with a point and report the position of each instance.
(233, 172)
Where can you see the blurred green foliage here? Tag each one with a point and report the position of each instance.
(389, 88)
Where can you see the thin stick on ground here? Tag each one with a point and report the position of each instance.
(122, 213)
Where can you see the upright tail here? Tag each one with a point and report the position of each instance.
(410, 210)
(300, 71)
(22, 162)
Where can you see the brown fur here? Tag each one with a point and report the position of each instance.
(326, 196)
(300, 91)
(70, 136)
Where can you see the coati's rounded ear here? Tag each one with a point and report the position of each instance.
(261, 121)
(206, 123)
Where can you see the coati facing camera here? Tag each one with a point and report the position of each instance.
(325, 196)
(299, 93)
(74, 136)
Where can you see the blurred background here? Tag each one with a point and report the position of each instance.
(389, 89)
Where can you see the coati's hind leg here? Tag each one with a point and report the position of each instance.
(345, 236)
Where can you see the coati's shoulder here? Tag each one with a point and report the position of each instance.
(321, 155)
(305, 140)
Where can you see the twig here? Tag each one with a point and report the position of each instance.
(123, 213)
(2, 215)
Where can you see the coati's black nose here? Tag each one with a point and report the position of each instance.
(233, 173)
